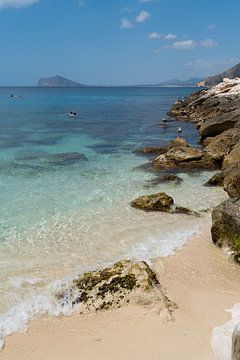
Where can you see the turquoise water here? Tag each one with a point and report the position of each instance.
(67, 183)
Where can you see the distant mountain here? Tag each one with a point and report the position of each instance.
(214, 80)
(179, 83)
(58, 81)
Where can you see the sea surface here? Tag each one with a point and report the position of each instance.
(66, 184)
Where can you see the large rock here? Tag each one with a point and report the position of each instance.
(221, 145)
(125, 282)
(218, 124)
(184, 153)
(233, 157)
(156, 202)
(160, 202)
(216, 180)
(231, 181)
(226, 226)
(236, 343)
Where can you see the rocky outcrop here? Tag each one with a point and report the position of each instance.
(184, 158)
(125, 282)
(160, 202)
(214, 110)
(226, 227)
(221, 145)
(216, 180)
(231, 181)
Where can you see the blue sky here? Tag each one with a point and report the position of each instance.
(117, 41)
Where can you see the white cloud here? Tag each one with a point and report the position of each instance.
(16, 3)
(211, 27)
(143, 16)
(154, 36)
(157, 36)
(126, 24)
(209, 43)
(170, 36)
(184, 44)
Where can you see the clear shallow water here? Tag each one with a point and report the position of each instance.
(61, 213)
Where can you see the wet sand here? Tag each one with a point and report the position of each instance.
(201, 281)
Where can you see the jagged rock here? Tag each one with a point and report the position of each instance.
(231, 182)
(226, 226)
(233, 157)
(178, 142)
(218, 124)
(183, 153)
(184, 158)
(125, 282)
(221, 145)
(214, 110)
(216, 180)
(160, 202)
(156, 202)
(152, 150)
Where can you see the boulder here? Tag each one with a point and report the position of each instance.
(178, 142)
(217, 125)
(184, 153)
(161, 202)
(124, 282)
(156, 202)
(152, 150)
(226, 226)
(233, 157)
(231, 181)
(216, 180)
(221, 145)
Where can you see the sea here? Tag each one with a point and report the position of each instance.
(66, 185)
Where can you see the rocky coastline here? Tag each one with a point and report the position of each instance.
(216, 113)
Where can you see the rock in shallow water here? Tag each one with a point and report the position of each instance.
(125, 282)
(155, 202)
(160, 202)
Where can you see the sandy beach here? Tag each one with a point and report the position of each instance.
(199, 278)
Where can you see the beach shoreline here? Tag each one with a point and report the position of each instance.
(199, 279)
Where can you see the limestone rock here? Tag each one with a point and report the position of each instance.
(216, 180)
(226, 226)
(233, 157)
(221, 145)
(156, 202)
(125, 282)
(183, 153)
(231, 182)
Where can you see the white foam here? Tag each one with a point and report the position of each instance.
(155, 246)
(17, 318)
(221, 340)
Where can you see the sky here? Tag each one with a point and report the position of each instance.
(113, 42)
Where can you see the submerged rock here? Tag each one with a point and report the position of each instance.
(226, 227)
(156, 202)
(125, 282)
(160, 202)
(216, 180)
(163, 179)
(64, 158)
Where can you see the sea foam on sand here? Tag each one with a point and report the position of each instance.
(221, 341)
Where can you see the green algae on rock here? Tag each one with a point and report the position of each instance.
(125, 282)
